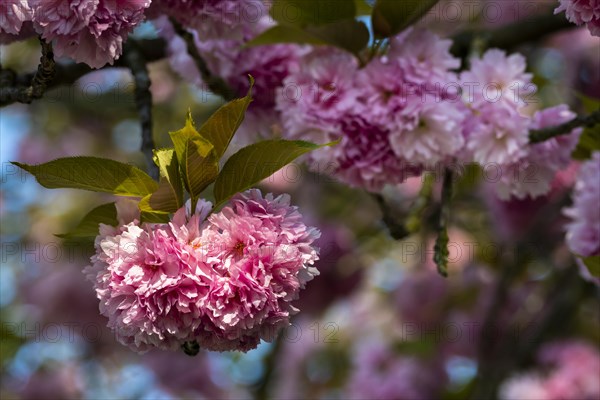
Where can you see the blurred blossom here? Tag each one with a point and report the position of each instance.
(380, 373)
(570, 371)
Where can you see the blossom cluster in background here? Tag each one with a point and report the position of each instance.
(226, 281)
(569, 371)
(582, 12)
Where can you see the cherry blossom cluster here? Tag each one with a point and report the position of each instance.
(572, 373)
(408, 111)
(226, 280)
(89, 31)
(582, 12)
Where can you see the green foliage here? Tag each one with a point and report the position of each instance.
(311, 12)
(92, 173)
(593, 265)
(198, 160)
(350, 35)
(589, 141)
(256, 162)
(169, 195)
(316, 22)
(392, 16)
(88, 227)
(222, 125)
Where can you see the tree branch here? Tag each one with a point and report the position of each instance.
(540, 135)
(143, 100)
(214, 83)
(35, 86)
(440, 249)
(67, 74)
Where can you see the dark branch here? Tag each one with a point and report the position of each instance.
(143, 100)
(13, 91)
(440, 249)
(67, 74)
(214, 83)
(540, 135)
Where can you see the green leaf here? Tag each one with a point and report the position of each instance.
(221, 126)
(88, 227)
(311, 12)
(392, 16)
(362, 7)
(590, 104)
(169, 195)
(92, 173)
(593, 265)
(256, 162)
(154, 217)
(285, 34)
(589, 141)
(197, 159)
(349, 35)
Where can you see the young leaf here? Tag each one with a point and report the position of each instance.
(197, 159)
(92, 173)
(221, 126)
(312, 12)
(88, 227)
(256, 162)
(392, 16)
(169, 195)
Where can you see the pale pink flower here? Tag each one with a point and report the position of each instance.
(582, 12)
(496, 78)
(583, 232)
(497, 134)
(423, 57)
(432, 131)
(89, 31)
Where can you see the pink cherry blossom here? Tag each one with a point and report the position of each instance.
(89, 31)
(582, 12)
(226, 281)
(13, 15)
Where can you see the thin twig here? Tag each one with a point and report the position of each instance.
(143, 100)
(440, 249)
(214, 83)
(36, 85)
(540, 135)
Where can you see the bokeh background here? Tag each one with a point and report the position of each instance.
(378, 322)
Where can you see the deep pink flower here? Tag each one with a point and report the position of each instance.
(582, 12)
(89, 31)
(261, 255)
(227, 281)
